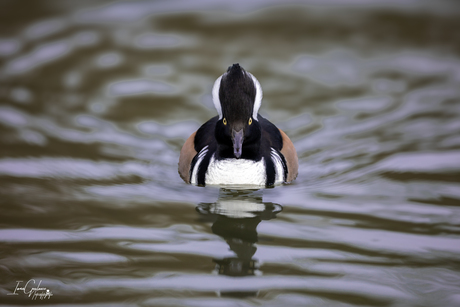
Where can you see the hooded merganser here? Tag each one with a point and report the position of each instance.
(238, 147)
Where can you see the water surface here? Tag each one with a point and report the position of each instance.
(97, 98)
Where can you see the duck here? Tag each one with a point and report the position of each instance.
(238, 147)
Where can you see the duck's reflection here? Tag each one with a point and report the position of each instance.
(235, 217)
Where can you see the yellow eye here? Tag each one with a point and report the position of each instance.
(250, 120)
(224, 121)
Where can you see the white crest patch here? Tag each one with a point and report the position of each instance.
(215, 96)
(258, 99)
(236, 172)
(201, 154)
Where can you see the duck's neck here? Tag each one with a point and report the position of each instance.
(249, 151)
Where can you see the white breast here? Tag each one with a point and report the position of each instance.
(236, 172)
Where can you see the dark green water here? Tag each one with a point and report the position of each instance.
(97, 98)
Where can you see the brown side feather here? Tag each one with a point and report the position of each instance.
(290, 155)
(186, 156)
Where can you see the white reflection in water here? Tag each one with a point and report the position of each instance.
(158, 70)
(365, 103)
(155, 189)
(86, 38)
(21, 95)
(106, 133)
(46, 28)
(210, 248)
(433, 162)
(139, 87)
(89, 121)
(178, 130)
(333, 69)
(344, 67)
(416, 245)
(296, 122)
(9, 46)
(40, 55)
(72, 79)
(337, 128)
(33, 137)
(357, 198)
(198, 282)
(152, 40)
(12, 117)
(387, 86)
(102, 233)
(136, 10)
(110, 59)
(451, 141)
(419, 63)
(70, 168)
(62, 258)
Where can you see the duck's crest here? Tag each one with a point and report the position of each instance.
(237, 93)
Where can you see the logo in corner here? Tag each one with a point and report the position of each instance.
(32, 290)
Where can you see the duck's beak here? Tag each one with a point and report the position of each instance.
(237, 138)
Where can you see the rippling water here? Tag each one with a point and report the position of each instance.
(97, 98)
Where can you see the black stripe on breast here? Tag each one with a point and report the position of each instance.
(270, 166)
(192, 167)
(285, 168)
(269, 170)
(203, 167)
(204, 137)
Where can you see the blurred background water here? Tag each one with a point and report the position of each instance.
(97, 98)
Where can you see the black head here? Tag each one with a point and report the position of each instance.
(237, 96)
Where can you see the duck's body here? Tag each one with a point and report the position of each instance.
(238, 147)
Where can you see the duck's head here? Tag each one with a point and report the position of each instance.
(237, 96)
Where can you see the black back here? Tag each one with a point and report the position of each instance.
(204, 136)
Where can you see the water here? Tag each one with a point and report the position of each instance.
(97, 99)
